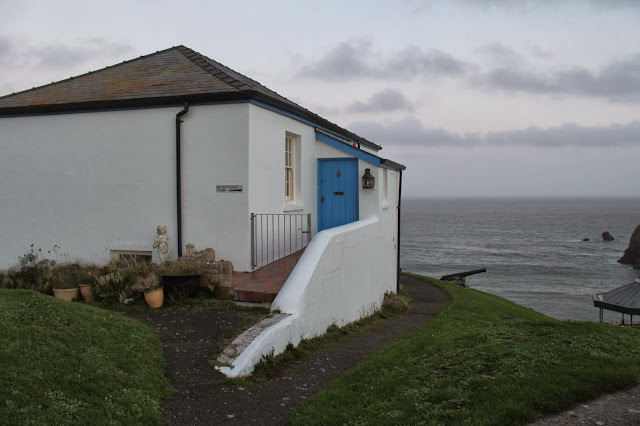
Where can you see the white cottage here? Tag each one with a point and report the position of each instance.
(94, 163)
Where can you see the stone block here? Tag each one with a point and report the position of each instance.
(219, 273)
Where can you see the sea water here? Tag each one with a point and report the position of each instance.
(533, 249)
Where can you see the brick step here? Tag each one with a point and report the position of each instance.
(252, 296)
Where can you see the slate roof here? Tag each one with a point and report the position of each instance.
(625, 299)
(168, 77)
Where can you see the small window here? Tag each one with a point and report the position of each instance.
(289, 168)
(131, 256)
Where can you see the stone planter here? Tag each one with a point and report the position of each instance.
(154, 298)
(87, 295)
(68, 294)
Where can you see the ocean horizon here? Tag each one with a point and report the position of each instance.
(532, 247)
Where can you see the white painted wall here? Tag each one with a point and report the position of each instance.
(90, 182)
(341, 277)
(86, 182)
(266, 163)
(93, 181)
(266, 168)
(215, 147)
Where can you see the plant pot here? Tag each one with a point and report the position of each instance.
(87, 295)
(68, 294)
(154, 298)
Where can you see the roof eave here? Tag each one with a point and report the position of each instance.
(304, 113)
(126, 103)
(392, 164)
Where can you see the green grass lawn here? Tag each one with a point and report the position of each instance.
(69, 363)
(484, 360)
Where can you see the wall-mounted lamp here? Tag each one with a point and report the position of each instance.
(368, 180)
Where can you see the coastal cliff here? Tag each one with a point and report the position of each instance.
(631, 255)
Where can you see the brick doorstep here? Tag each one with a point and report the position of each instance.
(253, 296)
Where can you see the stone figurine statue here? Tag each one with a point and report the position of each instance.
(162, 243)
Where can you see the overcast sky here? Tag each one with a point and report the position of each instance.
(476, 98)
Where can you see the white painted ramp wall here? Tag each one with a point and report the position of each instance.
(341, 277)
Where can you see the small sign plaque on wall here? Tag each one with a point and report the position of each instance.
(228, 188)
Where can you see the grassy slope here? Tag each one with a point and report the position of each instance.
(65, 363)
(484, 360)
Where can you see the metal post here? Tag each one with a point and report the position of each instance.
(253, 241)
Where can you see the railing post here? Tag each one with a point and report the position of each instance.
(253, 241)
(308, 227)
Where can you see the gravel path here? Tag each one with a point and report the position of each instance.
(619, 409)
(192, 338)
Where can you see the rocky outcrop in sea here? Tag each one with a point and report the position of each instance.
(631, 255)
(606, 236)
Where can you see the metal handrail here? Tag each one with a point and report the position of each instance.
(278, 235)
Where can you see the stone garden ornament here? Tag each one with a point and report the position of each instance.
(162, 243)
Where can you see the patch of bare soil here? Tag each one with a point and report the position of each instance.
(194, 337)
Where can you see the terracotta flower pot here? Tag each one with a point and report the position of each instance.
(87, 295)
(154, 298)
(68, 294)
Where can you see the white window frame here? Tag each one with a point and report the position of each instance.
(292, 175)
(289, 168)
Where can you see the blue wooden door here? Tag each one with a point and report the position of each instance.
(337, 192)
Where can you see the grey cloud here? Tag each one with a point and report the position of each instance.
(58, 55)
(351, 60)
(6, 88)
(347, 60)
(63, 55)
(539, 51)
(531, 5)
(618, 81)
(501, 54)
(606, 5)
(385, 101)
(7, 49)
(414, 61)
(410, 132)
(570, 135)
(517, 79)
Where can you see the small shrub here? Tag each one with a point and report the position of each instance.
(394, 304)
(66, 275)
(146, 283)
(33, 272)
(112, 287)
(120, 279)
(179, 268)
